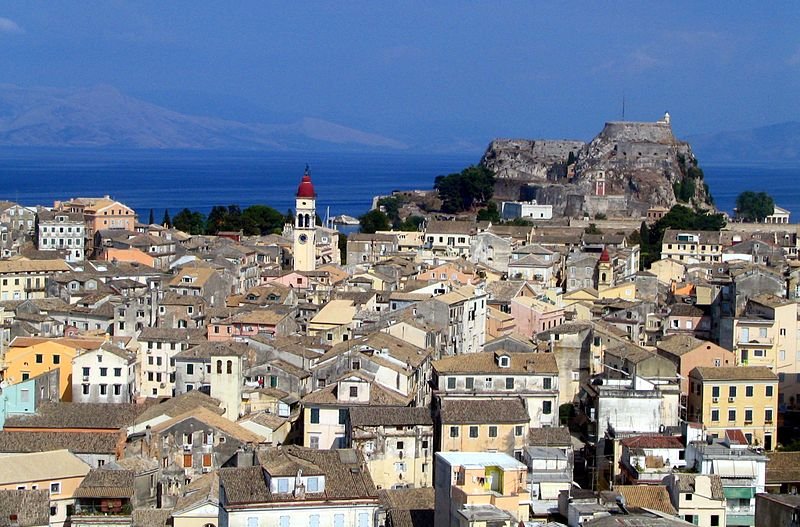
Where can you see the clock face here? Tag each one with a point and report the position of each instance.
(303, 238)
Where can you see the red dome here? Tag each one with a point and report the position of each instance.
(306, 188)
(604, 257)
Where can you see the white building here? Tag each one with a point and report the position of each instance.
(62, 231)
(107, 375)
(462, 313)
(296, 486)
(526, 209)
(157, 347)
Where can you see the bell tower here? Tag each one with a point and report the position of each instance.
(605, 271)
(305, 225)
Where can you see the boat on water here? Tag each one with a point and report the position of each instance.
(344, 219)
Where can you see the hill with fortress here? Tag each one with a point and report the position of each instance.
(628, 168)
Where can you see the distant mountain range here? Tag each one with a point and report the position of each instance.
(101, 116)
(775, 143)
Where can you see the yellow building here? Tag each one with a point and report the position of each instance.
(332, 323)
(766, 334)
(22, 279)
(691, 246)
(28, 357)
(743, 397)
(480, 488)
(58, 471)
(485, 425)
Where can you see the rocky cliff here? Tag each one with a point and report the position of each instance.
(626, 169)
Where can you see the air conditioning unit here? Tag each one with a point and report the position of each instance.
(86, 378)
(715, 399)
(206, 470)
(731, 399)
(187, 448)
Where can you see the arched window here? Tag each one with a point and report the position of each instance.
(219, 366)
(603, 277)
(230, 366)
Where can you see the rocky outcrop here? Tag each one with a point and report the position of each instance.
(628, 168)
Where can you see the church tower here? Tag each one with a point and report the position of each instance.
(305, 225)
(605, 271)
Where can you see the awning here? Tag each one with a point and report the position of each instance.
(741, 493)
(740, 468)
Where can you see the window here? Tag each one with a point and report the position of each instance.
(518, 430)
(55, 488)
(85, 389)
(103, 372)
(315, 415)
(400, 445)
(473, 431)
(492, 431)
(487, 383)
(117, 372)
(312, 484)
(342, 416)
(313, 442)
(509, 383)
(39, 358)
(400, 467)
(354, 391)
(453, 431)
(768, 415)
(715, 391)
(85, 372)
(748, 391)
(547, 407)
(230, 366)
(470, 383)
(356, 364)
(504, 362)
(715, 415)
(117, 389)
(451, 383)
(731, 415)
(190, 369)
(53, 510)
(547, 383)
(769, 391)
(689, 497)
(283, 484)
(715, 520)
(732, 391)
(748, 415)
(103, 389)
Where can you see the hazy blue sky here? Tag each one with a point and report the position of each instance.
(459, 70)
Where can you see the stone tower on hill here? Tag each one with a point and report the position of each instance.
(628, 168)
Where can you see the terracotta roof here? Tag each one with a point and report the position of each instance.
(75, 442)
(32, 508)
(653, 497)
(450, 227)
(687, 483)
(653, 441)
(734, 373)
(77, 415)
(480, 411)
(487, 362)
(180, 404)
(33, 266)
(390, 416)
(783, 467)
(204, 488)
(206, 350)
(408, 507)
(680, 344)
(39, 466)
(105, 483)
(550, 436)
(378, 396)
(206, 416)
(151, 517)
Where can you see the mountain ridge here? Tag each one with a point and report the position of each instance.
(102, 116)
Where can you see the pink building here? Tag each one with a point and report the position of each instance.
(533, 316)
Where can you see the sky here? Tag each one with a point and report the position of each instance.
(450, 71)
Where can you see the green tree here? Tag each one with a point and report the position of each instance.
(490, 213)
(592, 229)
(224, 219)
(289, 218)
(261, 219)
(152, 219)
(391, 207)
(374, 221)
(189, 221)
(343, 247)
(411, 223)
(166, 222)
(471, 187)
(754, 206)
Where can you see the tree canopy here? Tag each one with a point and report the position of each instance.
(189, 221)
(374, 221)
(754, 206)
(471, 187)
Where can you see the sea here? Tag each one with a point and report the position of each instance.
(345, 182)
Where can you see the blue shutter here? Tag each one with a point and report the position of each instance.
(363, 519)
(338, 520)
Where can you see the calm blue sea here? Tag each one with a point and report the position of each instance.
(345, 183)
